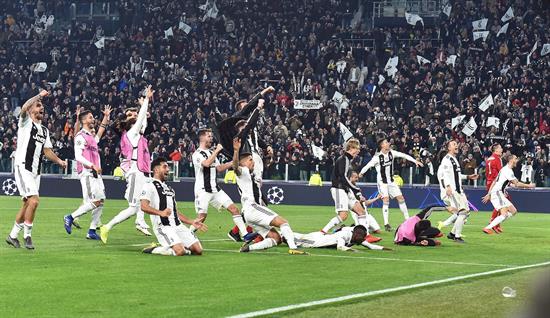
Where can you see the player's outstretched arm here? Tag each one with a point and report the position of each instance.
(520, 184)
(407, 157)
(235, 162)
(224, 166)
(372, 163)
(142, 114)
(104, 121)
(196, 223)
(29, 103)
(371, 201)
(77, 121)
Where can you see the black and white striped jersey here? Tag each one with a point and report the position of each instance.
(249, 188)
(384, 164)
(160, 197)
(450, 174)
(32, 138)
(205, 177)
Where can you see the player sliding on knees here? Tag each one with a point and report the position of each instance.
(418, 230)
(450, 178)
(207, 190)
(33, 143)
(383, 162)
(136, 164)
(159, 200)
(343, 190)
(262, 219)
(343, 239)
(498, 196)
(86, 153)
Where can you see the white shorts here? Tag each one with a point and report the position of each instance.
(216, 199)
(173, 235)
(499, 201)
(313, 240)
(134, 184)
(92, 188)
(342, 201)
(389, 190)
(457, 201)
(258, 167)
(259, 218)
(27, 182)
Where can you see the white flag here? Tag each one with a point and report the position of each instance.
(100, 43)
(381, 79)
(447, 9)
(480, 24)
(345, 132)
(545, 49)
(392, 62)
(508, 15)
(317, 152)
(391, 66)
(40, 67)
(493, 121)
(457, 120)
(50, 21)
(486, 102)
(421, 60)
(412, 18)
(184, 27)
(503, 29)
(168, 32)
(337, 97)
(481, 34)
(531, 53)
(451, 60)
(470, 127)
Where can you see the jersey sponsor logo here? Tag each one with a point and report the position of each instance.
(41, 139)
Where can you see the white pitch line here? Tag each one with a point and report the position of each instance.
(374, 258)
(381, 292)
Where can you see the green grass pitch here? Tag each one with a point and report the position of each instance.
(69, 276)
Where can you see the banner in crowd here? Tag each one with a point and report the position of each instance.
(307, 104)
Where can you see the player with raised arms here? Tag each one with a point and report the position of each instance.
(136, 164)
(383, 162)
(33, 144)
(89, 171)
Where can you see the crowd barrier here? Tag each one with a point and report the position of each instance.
(295, 193)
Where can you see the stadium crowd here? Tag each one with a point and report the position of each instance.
(303, 49)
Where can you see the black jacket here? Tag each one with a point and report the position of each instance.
(341, 172)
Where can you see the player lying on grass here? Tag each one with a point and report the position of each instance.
(262, 219)
(373, 226)
(343, 239)
(418, 230)
(498, 196)
(159, 200)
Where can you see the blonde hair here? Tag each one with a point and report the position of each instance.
(352, 143)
